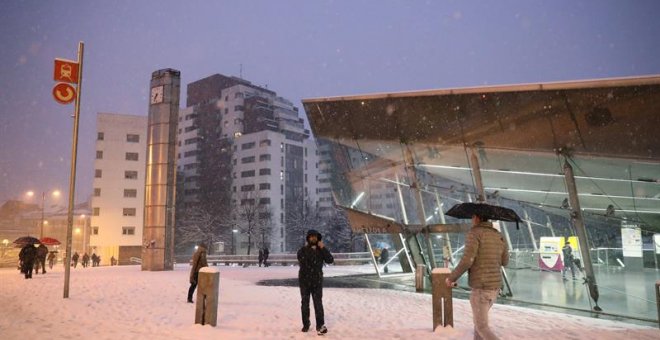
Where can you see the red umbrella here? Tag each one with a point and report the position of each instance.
(49, 241)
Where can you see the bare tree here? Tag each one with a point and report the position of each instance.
(301, 215)
(201, 225)
(339, 234)
(253, 216)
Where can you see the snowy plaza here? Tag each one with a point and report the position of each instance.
(126, 303)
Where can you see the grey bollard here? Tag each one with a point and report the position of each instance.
(443, 312)
(208, 284)
(419, 278)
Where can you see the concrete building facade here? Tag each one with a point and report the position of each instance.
(273, 159)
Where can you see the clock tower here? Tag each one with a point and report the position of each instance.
(160, 182)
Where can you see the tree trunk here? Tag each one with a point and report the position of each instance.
(249, 242)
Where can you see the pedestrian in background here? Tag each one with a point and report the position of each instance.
(266, 253)
(198, 262)
(28, 255)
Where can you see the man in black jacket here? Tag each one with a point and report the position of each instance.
(310, 278)
(28, 255)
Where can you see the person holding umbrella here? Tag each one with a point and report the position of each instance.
(484, 253)
(28, 255)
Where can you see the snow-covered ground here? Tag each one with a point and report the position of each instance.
(126, 303)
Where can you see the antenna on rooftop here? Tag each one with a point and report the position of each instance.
(240, 72)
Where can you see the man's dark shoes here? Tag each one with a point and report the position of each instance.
(190, 301)
(305, 328)
(322, 330)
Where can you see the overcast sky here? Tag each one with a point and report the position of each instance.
(300, 49)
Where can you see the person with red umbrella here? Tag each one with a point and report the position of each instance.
(42, 253)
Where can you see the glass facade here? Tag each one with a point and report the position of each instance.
(401, 160)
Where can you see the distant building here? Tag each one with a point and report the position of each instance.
(272, 162)
(118, 197)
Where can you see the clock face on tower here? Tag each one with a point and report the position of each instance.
(156, 95)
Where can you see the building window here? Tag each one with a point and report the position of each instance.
(131, 156)
(130, 193)
(129, 212)
(98, 173)
(264, 200)
(264, 186)
(248, 201)
(95, 230)
(132, 138)
(265, 157)
(99, 154)
(264, 172)
(96, 211)
(264, 142)
(247, 173)
(191, 141)
(100, 136)
(249, 187)
(190, 153)
(97, 192)
(128, 230)
(247, 146)
(247, 160)
(238, 108)
(129, 174)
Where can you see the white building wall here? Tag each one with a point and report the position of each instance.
(109, 198)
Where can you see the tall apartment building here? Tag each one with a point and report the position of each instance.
(118, 199)
(272, 162)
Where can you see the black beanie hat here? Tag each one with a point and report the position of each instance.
(313, 232)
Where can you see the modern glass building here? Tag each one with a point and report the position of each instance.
(578, 161)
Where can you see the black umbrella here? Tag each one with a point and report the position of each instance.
(491, 212)
(25, 240)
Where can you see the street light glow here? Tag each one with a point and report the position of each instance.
(56, 193)
(30, 193)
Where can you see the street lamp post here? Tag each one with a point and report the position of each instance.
(55, 193)
(233, 242)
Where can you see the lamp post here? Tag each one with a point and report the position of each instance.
(54, 194)
(5, 242)
(84, 232)
(233, 242)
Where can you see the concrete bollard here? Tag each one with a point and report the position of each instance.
(208, 284)
(443, 312)
(419, 277)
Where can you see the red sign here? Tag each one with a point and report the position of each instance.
(66, 70)
(64, 93)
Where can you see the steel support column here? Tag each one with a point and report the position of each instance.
(576, 217)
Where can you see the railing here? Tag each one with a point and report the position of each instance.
(136, 260)
(278, 259)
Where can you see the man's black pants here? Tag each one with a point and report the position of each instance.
(317, 296)
(28, 266)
